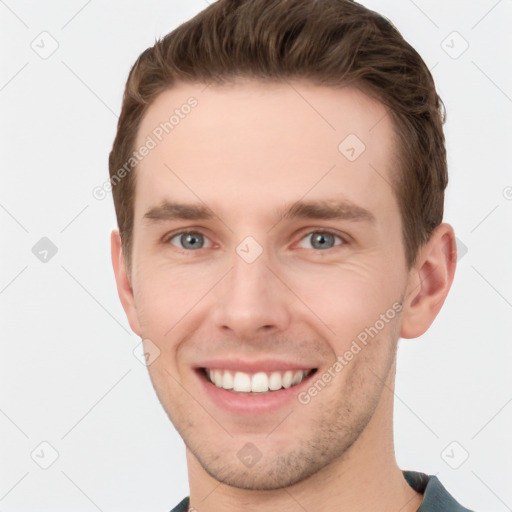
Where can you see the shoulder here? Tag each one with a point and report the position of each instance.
(182, 506)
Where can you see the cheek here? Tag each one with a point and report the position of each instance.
(166, 294)
(348, 298)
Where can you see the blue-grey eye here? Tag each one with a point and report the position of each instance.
(191, 240)
(321, 240)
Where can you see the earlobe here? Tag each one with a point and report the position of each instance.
(429, 282)
(124, 286)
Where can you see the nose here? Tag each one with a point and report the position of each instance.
(251, 299)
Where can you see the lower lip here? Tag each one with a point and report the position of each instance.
(246, 404)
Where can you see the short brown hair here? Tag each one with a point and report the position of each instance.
(326, 42)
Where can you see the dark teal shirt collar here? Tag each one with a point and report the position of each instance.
(435, 497)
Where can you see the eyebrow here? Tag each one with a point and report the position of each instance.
(168, 210)
(326, 209)
(320, 209)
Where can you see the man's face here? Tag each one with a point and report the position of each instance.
(253, 291)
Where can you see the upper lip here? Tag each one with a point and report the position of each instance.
(252, 366)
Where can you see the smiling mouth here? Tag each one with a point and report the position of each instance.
(255, 383)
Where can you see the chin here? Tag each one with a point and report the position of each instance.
(270, 472)
(267, 478)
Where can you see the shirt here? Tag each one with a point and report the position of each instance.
(435, 497)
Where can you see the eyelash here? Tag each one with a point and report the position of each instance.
(169, 237)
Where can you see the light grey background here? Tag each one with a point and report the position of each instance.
(69, 377)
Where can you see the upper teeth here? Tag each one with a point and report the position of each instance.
(259, 382)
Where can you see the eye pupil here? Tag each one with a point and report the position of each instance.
(321, 240)
(191, 241)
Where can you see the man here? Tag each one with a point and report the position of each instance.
(278, 176)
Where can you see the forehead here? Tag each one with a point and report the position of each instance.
(263, 144)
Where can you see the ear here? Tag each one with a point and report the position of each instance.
(124, 287)
(430, 280)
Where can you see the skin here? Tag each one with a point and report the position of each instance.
(245, 151)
